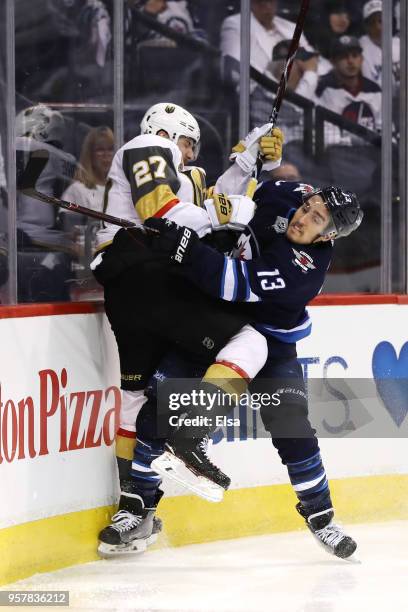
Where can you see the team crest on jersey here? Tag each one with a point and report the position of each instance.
(303, 260)
(281, 225)
(243, 249)
(304, 188)
(170, 109)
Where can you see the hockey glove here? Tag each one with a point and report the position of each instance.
(173, 241)
(262, 141)
(229, 212)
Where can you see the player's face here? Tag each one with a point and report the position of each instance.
(309, 221)
(187, 147)
(349, 64)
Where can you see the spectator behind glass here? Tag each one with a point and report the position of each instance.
(267, 30)
(285, 172)
(349, 157)
(156, 65)
(88, 187)
(371, 44)
(347, 92)
(335, 21)
(65, 58)
(88, 190)
(174, 14)
(44, 252)
(302, 80)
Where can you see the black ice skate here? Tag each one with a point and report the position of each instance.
(328, 534)
(130, 531)
(186, 461)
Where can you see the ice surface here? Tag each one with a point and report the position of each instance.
(280, 573)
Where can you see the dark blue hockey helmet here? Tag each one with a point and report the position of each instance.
(344, 208)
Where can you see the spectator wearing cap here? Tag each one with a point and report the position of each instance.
(346, 91)
(302, 80)
(267, 30)
(371, 44)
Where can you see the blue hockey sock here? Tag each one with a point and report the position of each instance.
(145, 482)
(310, 483)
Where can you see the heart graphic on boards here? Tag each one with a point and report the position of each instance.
(391, 378)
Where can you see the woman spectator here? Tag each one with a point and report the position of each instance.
(87, 190)
(335, 21)
(90, 178)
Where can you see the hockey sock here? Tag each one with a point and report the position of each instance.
(228, 377)
(125, 445)
(144, 481)
(310, 483)
(132, 404)
(219, 392)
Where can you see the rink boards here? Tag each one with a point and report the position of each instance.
(59, 402)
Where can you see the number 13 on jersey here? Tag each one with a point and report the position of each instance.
(266, 281)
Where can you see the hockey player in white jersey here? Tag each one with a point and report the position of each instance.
(148, 178)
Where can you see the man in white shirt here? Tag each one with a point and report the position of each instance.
(267, 31)
(371, 44)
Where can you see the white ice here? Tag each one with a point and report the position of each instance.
(283, 572)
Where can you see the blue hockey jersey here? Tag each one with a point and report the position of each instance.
(276, 278)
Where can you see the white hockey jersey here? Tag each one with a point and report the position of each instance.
(362, 106)
(147, 179)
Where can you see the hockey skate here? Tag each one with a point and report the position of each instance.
(186, 462)
(130, 532)
(328, 534)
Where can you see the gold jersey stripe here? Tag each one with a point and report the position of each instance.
(226, 379)
(197, 177)
(150, 204)
(102, 246)
(125, 447)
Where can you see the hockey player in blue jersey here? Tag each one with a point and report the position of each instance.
(279, 266)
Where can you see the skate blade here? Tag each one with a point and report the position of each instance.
(353, 559)
(110, 551)
(170, 466)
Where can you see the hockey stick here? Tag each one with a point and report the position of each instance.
(28, 180)
(294, 45)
